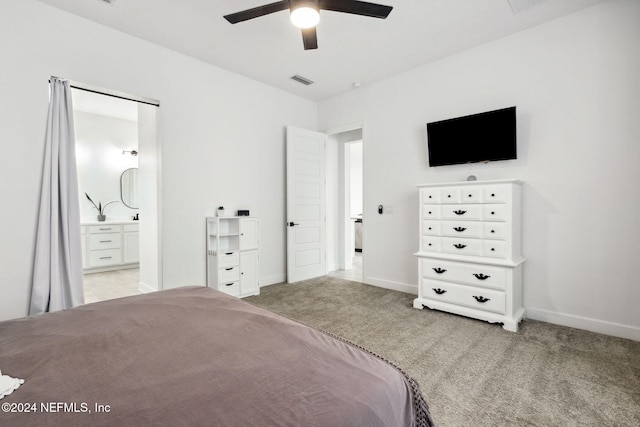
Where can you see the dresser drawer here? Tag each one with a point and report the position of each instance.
(461, 229)
(470, 195)
(495, 193)
(431, 228)
(469, 296)
(231, 288)
(460, 246)
(467, 273)
(494, 212)
(228, 259)
(462, 212)
(493, 248)
(105, 257)
(450, 195)
(228, 274)
(430, 195)
(431, 212)
(494, 230)
(430, 244)
(105, 241)
(105, 229)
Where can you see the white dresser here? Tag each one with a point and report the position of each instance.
(470, 261)
(109, 245)
(232, 255)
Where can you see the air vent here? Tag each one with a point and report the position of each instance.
(302, 80)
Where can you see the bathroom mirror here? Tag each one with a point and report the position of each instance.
(129, 188)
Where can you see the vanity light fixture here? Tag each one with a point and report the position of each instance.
(133, 152)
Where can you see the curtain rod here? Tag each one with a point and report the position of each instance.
(112, 93)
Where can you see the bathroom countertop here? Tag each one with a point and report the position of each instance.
(111, 222)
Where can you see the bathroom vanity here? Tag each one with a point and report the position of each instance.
(110, 245)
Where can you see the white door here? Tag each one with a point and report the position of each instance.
(248, 233)
(305, 204)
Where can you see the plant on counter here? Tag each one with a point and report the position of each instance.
(99, 206)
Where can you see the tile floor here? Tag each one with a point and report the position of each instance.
(111, 284)
(354, 274)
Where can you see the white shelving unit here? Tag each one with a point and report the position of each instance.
(232, 255)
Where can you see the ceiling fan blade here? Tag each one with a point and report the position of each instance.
(256, 12)
(310, 38)
(356, 7)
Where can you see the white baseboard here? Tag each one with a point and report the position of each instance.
(586, 323)
(388, 284)
(145, 289)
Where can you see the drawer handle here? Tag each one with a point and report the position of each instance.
(439, 270)
(481, 299)
(459, 246)
(459, 229)
(439, 291)
(105, 229)
(106, 257)
(228, 269)
(481, 276)
(228, 253)
(229, 284)
(106, 241)
(459, 212)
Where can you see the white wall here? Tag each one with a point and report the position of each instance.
(100, 141)
(575, 84)
(222, 139)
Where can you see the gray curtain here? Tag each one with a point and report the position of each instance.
(57, 272)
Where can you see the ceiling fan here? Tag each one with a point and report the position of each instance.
(305, 14)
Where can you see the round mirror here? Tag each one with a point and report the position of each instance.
(129, 188)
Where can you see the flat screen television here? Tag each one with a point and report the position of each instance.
(480, 137)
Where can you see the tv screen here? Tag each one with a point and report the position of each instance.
(476, 138)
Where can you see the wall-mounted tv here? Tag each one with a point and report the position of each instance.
(480, 137)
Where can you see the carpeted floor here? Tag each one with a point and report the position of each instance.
(473, 373)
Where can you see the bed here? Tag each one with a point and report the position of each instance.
(195, 356)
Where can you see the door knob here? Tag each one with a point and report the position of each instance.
(291, 224)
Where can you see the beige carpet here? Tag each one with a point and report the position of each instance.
(473, 373)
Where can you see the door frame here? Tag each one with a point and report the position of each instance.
(156, 147)
(344, 217)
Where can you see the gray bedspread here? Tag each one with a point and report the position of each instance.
(190, 357)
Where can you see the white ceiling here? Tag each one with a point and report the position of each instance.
(350, 48)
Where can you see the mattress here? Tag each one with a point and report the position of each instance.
(195, 356)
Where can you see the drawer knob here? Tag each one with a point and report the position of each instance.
(439, 270)
(459, 212)
(481, 299)
(459, 229)
(459, 246)
(493, 213)
(481, 276)
(493, 231)
(439, 291)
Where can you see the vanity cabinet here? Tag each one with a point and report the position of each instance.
(232, 255)
(469, 261)
(110, 246)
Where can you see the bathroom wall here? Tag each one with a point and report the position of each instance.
(100, 141)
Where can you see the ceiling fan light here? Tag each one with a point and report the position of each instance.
(305, 17)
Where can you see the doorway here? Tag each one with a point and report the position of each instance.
(345, 200)
(117, 153)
